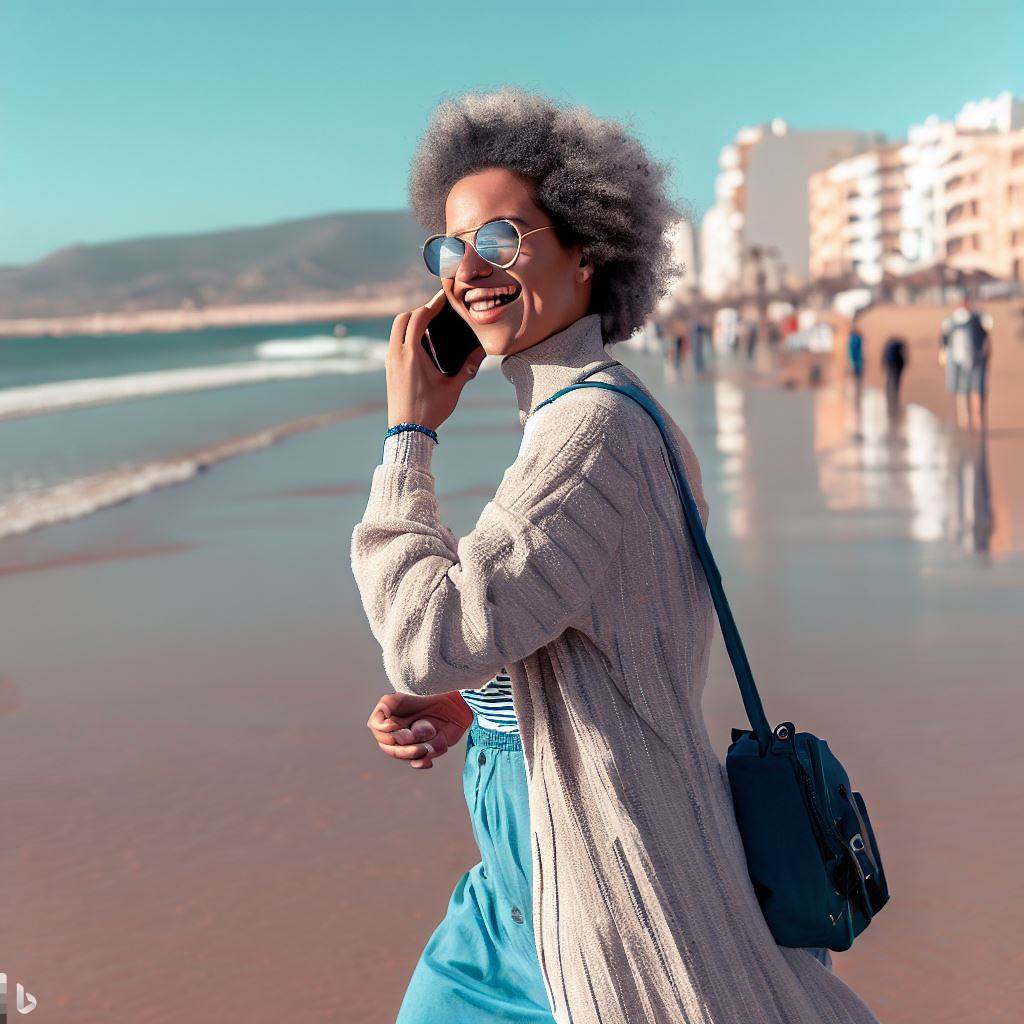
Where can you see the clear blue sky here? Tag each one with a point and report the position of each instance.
(122, 119)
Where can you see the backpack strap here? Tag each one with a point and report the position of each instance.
(734, 645)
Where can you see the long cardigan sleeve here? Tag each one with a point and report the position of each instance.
(451, 614)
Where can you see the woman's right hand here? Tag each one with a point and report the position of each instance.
(418, 729)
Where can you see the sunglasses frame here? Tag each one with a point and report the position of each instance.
(495, 220)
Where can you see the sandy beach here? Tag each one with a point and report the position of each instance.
(200, 821)
(187, 318)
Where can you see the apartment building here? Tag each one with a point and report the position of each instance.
(855, 215)
(721, 231)
(952, 194)
(761, 201)
(981, 223)
(924, 155)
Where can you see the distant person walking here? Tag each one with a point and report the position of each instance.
(967, 347)
(945, 362)
(894, 361)
(680, 343)
(699, 336)
(750, 337)
(659, 335)
(855, 356)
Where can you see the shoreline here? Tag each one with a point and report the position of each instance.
(169, 321)
(73, 500)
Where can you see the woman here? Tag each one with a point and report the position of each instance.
(580, 580)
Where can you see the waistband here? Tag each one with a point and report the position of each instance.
(481, 736)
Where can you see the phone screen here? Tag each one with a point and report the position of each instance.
(449, 340)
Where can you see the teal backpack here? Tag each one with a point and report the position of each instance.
(810, 849)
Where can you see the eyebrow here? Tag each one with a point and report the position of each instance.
(500, 217)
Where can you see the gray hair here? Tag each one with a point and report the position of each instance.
(596, 181)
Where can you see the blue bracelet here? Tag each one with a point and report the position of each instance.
(399, 427)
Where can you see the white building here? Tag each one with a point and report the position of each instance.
(721, 233)
(923, 156)
(761, 200)
(684, 252)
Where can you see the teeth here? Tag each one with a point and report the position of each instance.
(500, 299)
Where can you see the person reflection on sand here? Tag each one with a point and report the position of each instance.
(971, 515)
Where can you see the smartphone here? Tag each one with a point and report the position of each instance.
(449, 340)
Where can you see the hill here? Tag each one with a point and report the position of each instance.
(336, 256)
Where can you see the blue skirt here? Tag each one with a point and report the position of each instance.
(480, 965)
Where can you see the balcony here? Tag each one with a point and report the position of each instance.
(965, 227)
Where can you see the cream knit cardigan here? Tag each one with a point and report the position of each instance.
(581, 578)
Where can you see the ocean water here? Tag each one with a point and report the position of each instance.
(88, 422)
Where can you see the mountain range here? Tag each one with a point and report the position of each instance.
(335, 256)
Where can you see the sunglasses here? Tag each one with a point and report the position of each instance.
(497, 241)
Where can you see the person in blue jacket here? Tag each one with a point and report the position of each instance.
(855, 354)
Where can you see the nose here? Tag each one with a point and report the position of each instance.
(472, 265)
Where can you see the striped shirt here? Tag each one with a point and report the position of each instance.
(492, 704)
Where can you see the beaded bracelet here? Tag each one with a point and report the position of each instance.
(399, 427)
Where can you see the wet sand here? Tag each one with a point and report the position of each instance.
(78, 558)
(200, 826)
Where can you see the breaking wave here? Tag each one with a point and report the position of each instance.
(73, 499)
(354, 356)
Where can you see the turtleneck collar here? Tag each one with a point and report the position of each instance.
(561, 359)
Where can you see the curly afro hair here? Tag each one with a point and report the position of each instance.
(597, 183)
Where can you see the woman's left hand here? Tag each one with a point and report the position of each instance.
(417, 391)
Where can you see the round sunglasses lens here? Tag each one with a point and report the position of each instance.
(442, 255)
(497, 241)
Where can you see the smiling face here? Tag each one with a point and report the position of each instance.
(551, 289)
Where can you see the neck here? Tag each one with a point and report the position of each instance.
(562, 358)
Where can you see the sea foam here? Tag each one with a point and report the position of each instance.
(318, 346)
(73, 499)
(72, 394)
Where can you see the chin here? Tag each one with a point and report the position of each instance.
(503, 347)
(497, 340)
